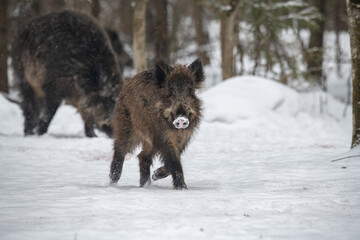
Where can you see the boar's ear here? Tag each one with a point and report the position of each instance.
(161, 71)
(196, 69)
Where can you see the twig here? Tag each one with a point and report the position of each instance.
(338, 159)
(9, 98)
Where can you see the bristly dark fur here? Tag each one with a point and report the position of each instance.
(145, 110)
(65, 55)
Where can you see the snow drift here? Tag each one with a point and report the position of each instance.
(248, 97)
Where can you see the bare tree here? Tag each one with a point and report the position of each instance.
(95, 8)
(201, 31)
(139, 35)
(353, 9)
(315, 55)
(3, 46)
(126, 16)
(227, 36)
(161, 32)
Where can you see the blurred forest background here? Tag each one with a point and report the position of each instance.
(278, 39)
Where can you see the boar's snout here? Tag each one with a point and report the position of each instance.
(181, 122)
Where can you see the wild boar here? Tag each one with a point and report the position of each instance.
(65, 55)
(159, 109)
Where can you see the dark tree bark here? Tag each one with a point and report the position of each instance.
(139, 36)
(202, 35)
(227, 37)
(95, 8)
(353, 9)
(3, 46)
(36, 6)
(161, 31)
(315, 54)
(126, 15)
(178, 9)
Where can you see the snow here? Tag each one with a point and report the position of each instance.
(258, 168)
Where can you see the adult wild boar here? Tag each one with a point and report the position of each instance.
(65, 55)
(159, 109)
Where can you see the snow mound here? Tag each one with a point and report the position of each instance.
(260, 99)
(248, 97)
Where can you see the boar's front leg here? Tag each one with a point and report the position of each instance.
(160, 173)
(30, 107)
(89, 129)
(173, 165)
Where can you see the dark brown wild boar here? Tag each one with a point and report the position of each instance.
(65, 55)
(159, 109)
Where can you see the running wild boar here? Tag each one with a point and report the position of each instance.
(159, 109)
(65, 55)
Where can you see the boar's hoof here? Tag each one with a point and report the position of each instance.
(144, 180)
(89, 132)
(160, 173)
(28, 132)
(114, 177)
(178, 181)
(180, 186)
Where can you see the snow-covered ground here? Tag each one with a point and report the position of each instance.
(259, 168)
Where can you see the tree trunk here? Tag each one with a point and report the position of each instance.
(161, 31)
(126, 15)
(4, 87)
(95, 8)
(315, 54)
(36, 6)
(202, 35)
(55, 5)
(227, 36)
(139, 35)
(353, 8)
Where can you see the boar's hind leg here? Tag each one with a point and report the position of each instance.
(89, 129)
(30, 107)
(173, 165)
(121, 147)
(88, 120)
(160, 173)
(145, 161)
(51, 104)
(116, 164)
(124, 142)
